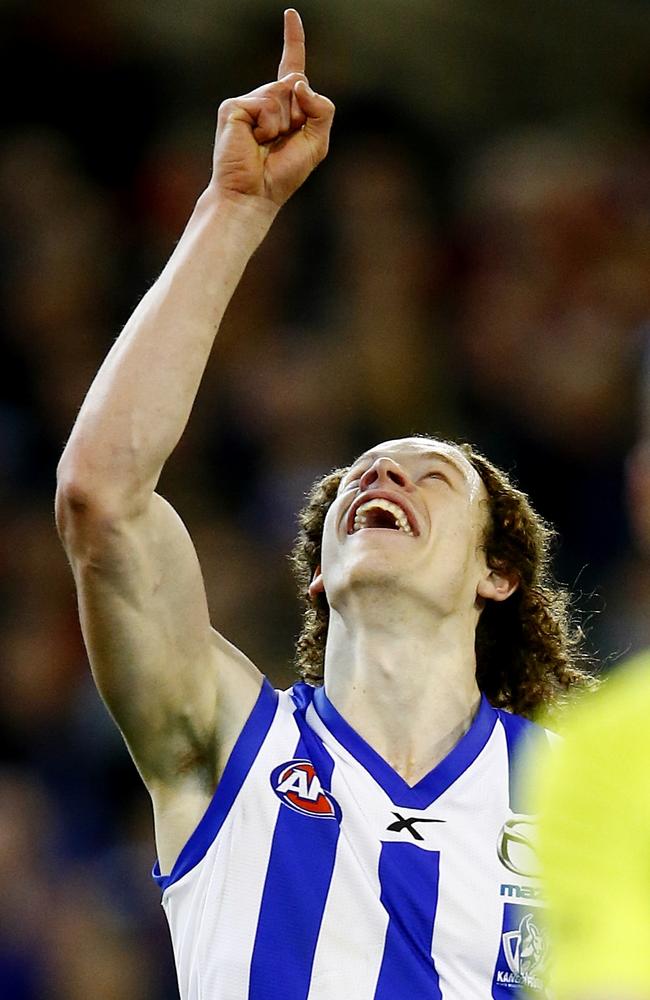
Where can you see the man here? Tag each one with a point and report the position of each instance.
(359, 839)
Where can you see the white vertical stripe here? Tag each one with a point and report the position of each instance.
(351, 942)
(225, 889)
(467, 928)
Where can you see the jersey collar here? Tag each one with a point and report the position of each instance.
(433, 784)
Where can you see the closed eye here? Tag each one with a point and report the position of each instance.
(437, 474)
(357, 475)
(350, 484)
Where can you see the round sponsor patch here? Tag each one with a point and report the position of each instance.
(298, 786)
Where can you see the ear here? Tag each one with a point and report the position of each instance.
(316, 586)
(497, 586)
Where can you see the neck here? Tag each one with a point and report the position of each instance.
(405, 683)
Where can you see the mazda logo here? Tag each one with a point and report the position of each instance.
(515, 846)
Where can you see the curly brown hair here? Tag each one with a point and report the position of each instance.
(529, 650)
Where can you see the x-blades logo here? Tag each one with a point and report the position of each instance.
(408, 823)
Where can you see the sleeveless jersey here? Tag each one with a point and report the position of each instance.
(318, 873)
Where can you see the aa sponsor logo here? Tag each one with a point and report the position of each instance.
(298, 786)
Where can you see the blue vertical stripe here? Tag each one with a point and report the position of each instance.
(521, 736)
(409, 892)
(295, 892)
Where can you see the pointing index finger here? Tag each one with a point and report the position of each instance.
(293, 53)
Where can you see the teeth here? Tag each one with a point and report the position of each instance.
(361, 519)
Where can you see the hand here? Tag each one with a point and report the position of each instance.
(269, 141)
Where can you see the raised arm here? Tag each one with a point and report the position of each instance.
(179, 692)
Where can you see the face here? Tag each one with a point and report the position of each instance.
(409, 514)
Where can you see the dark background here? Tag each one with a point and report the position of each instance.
(472, 260)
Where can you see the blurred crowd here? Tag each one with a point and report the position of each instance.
(491, 286)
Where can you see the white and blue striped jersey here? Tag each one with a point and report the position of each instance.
(318, 873)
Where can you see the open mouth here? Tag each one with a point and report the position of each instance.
(381, 513)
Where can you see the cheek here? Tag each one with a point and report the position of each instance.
(461, 536)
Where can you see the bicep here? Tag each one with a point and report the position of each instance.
(157, 663)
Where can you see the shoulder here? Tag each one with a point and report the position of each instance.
(523, 734)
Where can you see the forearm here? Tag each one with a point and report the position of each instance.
(266, 145)
(139, 403)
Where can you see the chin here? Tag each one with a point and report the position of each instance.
(376, 575)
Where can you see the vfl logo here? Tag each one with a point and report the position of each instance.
(525, 949)
(515, 846)
(408, 823)
(298, 786)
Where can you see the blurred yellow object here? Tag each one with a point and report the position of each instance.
(594, 842)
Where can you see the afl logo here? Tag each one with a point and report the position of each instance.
(298, 786)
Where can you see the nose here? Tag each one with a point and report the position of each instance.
(385, 472)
